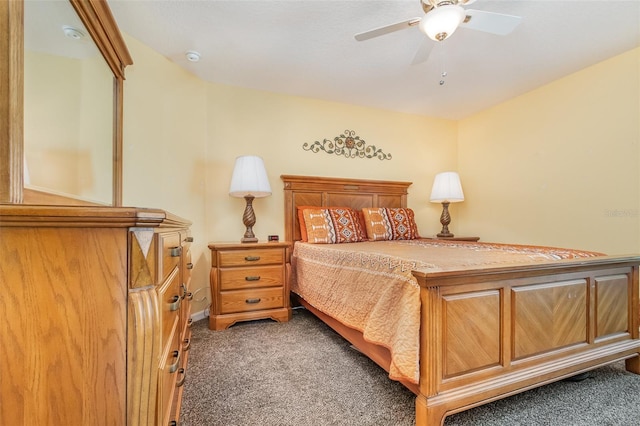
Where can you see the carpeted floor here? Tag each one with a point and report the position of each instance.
(302, 373)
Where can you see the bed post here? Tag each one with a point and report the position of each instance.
(430, 356)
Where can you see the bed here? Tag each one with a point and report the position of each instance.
(486, 331)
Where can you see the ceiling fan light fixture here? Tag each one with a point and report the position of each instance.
(442, 21)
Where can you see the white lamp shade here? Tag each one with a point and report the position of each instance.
(249, 178)
(447, 188)
(442, 21)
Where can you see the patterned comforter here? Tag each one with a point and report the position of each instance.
(368, 286)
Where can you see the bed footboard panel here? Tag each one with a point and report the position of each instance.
(492, 332)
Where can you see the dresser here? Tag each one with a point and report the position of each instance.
(95, 302)
(249, 281)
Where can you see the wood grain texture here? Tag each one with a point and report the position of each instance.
(68, 322)
(249, 281)
(143, 351)
(472, 326)
(81, 345)
(613, 296)
(11, 101)
(547, 317)
(325, 192)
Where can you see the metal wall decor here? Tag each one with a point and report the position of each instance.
(347, 145)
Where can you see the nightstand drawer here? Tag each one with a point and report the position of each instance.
(251, 300)
(240, 278)
(252, 257)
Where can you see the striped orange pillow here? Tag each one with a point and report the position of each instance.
(333, 225)
(385, 223)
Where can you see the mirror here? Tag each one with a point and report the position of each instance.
(80, 143)
(68, 106)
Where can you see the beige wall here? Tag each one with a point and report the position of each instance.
(68, 126)
(558, 165)
(182, 135)
(557, 151)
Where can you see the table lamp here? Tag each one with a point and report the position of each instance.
(446, 189)
(249, 180)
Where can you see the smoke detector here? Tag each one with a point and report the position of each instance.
(192, 56)
(72, 33)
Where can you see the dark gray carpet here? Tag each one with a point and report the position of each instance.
(302, 373)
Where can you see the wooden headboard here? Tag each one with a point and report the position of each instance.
(343, 192)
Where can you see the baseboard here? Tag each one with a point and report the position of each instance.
(197, 316)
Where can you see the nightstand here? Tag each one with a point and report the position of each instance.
(451, 238)
(249, 281)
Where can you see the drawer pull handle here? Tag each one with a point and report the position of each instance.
(173, 423)
(189, 296)
(174, 367)
(253, 301)
(181, 380)
(252, 258)
(188, 240)
(175, 251)
(174, 305)
(252, 278)
(189, 265)
(186, 344)
(190, 322)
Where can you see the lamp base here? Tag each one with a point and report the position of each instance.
(445, 220)
(249, 219)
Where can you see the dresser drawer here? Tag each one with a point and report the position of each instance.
(171, 248)
(169, 371)
(253, 257)
(241, 278)
(251, 300)
(170, 301)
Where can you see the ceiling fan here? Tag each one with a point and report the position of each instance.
(442, 18)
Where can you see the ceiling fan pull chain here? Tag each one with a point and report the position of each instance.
(443, 70)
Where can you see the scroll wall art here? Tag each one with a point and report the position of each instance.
(347, 145)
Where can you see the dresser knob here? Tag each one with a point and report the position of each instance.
(252, 258)
(186, 344)
(189, 265)
(252, 278)
(253, 301)
(175, 251)
(188, 240)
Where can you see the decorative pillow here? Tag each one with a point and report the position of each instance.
(390, 224)
(333, 225)
(303, 227)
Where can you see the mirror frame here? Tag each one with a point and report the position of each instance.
(101, 25)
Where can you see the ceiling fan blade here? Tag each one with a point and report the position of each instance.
(490, 22)
(387, 29)
(423, 52)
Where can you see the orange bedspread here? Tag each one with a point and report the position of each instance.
(369, 286)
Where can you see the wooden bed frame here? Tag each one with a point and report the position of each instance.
(491, 332)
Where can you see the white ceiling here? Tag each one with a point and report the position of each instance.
(307, 48)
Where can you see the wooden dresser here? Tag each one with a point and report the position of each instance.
(95, 303)
(249, 281)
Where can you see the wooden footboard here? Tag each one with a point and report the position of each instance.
(493, 332)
